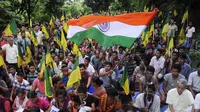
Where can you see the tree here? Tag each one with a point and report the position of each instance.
(98, 5)
(76, 9)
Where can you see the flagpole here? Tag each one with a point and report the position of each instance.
(124, 56)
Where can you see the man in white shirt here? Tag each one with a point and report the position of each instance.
(172, 29)
(11, 52)
(38, 33)
(197, 103)
(89, 67)
(19, 83)
(194, 81)
(148, 101)
(106, 74)
(179, 98)
(190, 30)
(158, 62)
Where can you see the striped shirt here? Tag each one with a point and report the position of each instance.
(24, 85)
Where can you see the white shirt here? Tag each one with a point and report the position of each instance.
(39, 36)
(157, 64)
(12, 78)
(90, 70)
(197, 101)
(106, 79)
(172, 30)
(11, 53)
(190, 32)
(180, 102)
(70, 65)
(194, 81)
(24, 85)
(155, 107)
(58, 67)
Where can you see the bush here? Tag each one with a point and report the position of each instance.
(195, 57)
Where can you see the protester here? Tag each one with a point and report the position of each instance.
(32, 75)
(35, 101)
(190, 30)
(87, 99)
(179, 98)
(99, 81)
(194, 81)
(107, 74)
(4, 103)
(170, 79)
(148, 101)
(19, 83)
(197, 103)
(20, 101)
(11, 52)
(158, 63)
(38, 83)
(61, 101)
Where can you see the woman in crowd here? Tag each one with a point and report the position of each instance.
(112, 104)
(20, 101)
(61, 101)
(99, 91)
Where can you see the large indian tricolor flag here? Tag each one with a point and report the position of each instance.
(110, 30)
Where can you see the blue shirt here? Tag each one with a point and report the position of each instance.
(64, 79)
(186, 70)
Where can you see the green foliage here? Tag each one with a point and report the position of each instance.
(98, 5)
(76, 9)
(195, 56)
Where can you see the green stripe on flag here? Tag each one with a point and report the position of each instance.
(48, 83)
(20, 57)
(104, 40)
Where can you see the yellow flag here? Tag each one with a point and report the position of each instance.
(164, 31)
(181, 36)
(28, 55)
(65, 27)
(152, 28)
(75, 75)
(146, 9)
(8, 31)
(170, 46)
(146, 39)
(49, 61)
(62, 18)
(1, 61)
(185, 16)
(31, 23)
(63, 40)
(44, 30)
(76, 50)
(160, 14)
(51, 22)
(175, 12)
(143, 36)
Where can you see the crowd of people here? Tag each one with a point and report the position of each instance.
(155, 79)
